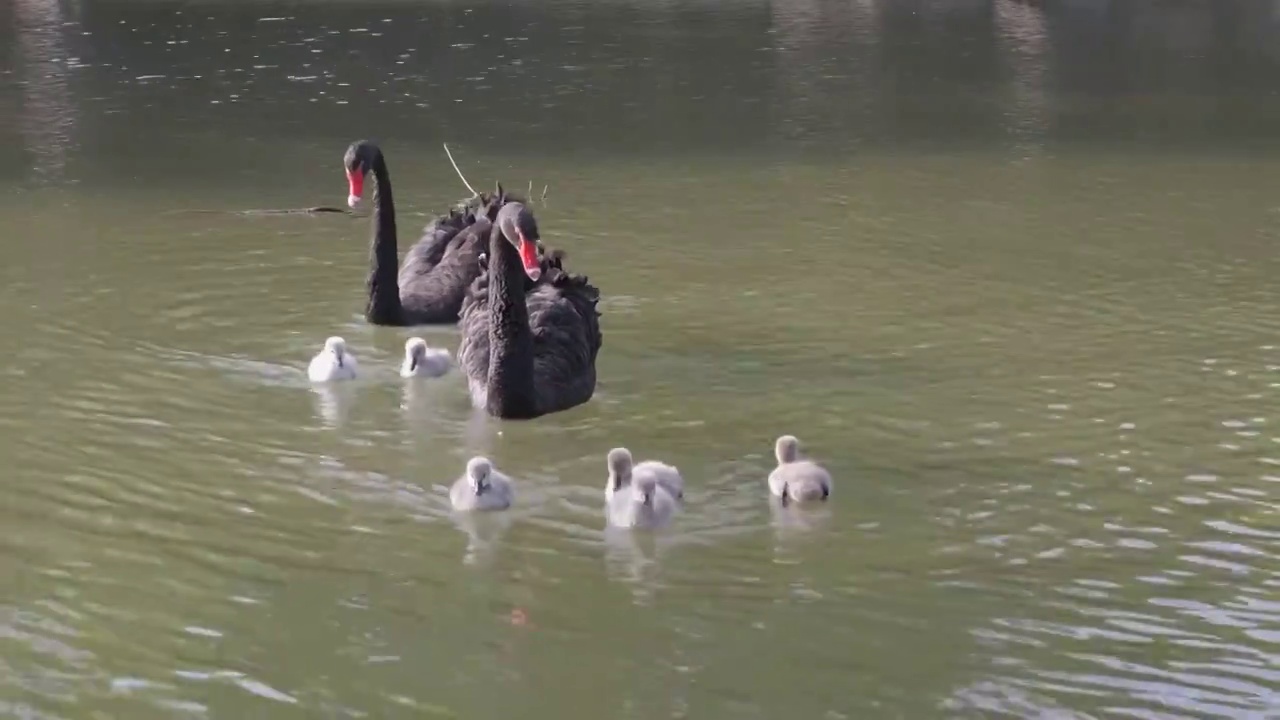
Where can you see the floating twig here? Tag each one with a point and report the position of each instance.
(474, 194)
(542, 200)
(286, 211)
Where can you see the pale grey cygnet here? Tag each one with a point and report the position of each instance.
(623, 471)
(332, 363)
(797, 480)
(423, 361)
(481, 488)
(642, 504)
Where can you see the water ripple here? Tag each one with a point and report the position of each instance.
(1043, 393)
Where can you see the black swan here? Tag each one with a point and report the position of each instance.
(430, 285)
(530, 330)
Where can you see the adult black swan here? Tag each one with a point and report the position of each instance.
(430, 285)
(530, 330)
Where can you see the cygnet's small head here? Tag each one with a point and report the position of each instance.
(619, 467)
(338, 347)
(415, 348)
(478, 470)
(415, 351)
(787, 449)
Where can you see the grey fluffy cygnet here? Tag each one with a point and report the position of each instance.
(642, 504)
(796, 480)
(423, 361)
(623, 470)
(481, 488)
(332, 363)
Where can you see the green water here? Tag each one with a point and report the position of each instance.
(1007, 271)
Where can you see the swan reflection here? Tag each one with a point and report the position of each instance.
(633, 558)
(484, 533)
(479, 432)
(422, 403)
(794, 523)
(333, 402)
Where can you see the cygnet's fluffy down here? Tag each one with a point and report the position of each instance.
(333, 362)
(795, 479)
(481, 488)
(642, 504)
(623, 471)
(423, 361)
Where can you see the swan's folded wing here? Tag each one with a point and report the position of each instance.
(425, 254)
(473, 321)
(467, 246)
(566, 324)
(436, 273)
(576, 293)
(566, 329)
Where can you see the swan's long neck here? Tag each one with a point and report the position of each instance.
(384, 258)
(510, 383)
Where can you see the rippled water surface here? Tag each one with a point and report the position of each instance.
(1007, 269)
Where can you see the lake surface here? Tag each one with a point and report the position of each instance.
(1008, 270)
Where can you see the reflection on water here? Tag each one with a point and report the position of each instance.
(1043, 387)
(791, 520)
(1023, 27)
(48, 116)
(633, 558)
(484, 533)
(333, 402)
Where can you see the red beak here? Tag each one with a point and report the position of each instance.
(355, 187)
(529, 258)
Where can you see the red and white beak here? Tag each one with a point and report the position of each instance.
(529, 258)
(355, 187)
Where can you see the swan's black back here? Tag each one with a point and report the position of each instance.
(565, 325)
(438, 269)
(435, 237)
(461, 235)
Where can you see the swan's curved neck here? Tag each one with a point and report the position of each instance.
(384, 258)
(510, 383)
